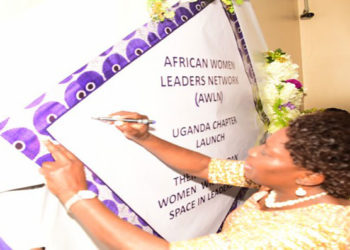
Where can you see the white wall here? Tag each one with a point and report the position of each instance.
(325, 42)
(279, 22)
(43, 41)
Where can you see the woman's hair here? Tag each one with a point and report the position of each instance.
(320, 142)
(335, 110)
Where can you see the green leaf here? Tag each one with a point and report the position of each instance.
(279, 87)
(279, 51)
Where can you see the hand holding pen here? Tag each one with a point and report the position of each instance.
(121, 119)
(133, 125)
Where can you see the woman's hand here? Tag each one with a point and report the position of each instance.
(132, 131)
(65, 176)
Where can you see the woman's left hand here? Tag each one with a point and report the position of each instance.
(65, 176)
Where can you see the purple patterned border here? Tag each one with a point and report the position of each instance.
(3, 245)
(247, 63)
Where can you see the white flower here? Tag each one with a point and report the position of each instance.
(288, 92)
(281, 71)
(269, 91)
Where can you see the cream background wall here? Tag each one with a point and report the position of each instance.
(279, 22)
(320, 46)
(325, 47)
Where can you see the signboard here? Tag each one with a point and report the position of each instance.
(190, 74)
(194, 85)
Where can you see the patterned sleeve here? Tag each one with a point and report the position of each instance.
(273, 236)
(209, 242)
(229, 172)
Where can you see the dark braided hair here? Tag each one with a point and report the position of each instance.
(320, 142)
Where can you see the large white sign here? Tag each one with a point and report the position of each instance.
(194, 85)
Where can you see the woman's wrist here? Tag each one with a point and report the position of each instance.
(140, 140)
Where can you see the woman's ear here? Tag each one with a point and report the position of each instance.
(310, 179)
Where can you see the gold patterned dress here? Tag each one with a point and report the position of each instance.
(320, 226)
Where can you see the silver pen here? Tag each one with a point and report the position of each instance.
(115, 119)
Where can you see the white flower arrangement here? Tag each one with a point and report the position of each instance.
(281, 93)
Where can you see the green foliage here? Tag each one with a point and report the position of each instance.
(309, 111)
(229, 4)
(272, 56)
(279, 87)
(159, 10)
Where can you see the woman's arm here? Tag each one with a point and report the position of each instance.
(65, 177)
(172, 155)
(112, 231)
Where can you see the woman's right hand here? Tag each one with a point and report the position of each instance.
(132, 131)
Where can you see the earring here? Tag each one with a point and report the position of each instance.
(300, 191)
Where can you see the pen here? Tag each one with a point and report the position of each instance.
(114, 119)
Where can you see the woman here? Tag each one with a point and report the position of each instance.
(305, 171)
